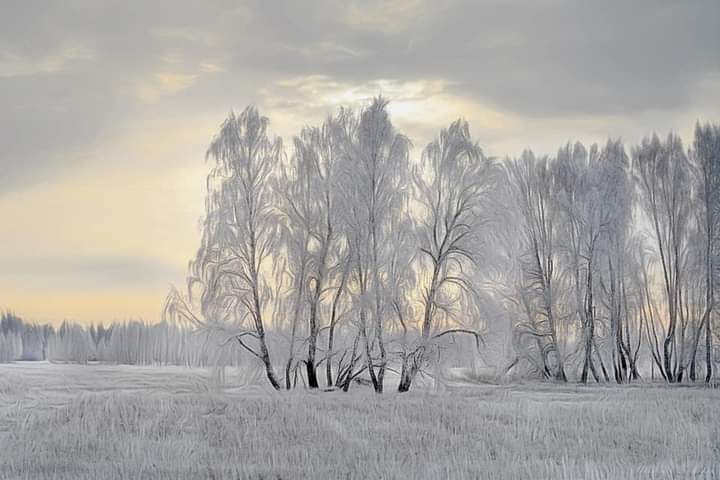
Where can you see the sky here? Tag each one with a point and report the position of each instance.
(108, 109)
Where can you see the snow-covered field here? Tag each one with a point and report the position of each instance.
(99, 421)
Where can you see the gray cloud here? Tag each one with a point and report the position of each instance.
(71, 74)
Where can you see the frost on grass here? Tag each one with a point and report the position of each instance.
(129, 422)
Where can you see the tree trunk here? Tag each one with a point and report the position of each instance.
(296, 316)
(377, 314)
(545, 275)
(588, 354)
(619, 361)
(265, 355)
(314, 330)
(312, 342)
(589, 328)
(260, 329)
(346, 372)
(708, 351)
(368, 354)
(310, 363)
(406, 378)
(600, 361)
(257, 314)
(408, 374)
(693, 371)
(333, 322)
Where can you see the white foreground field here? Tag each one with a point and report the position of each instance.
(111, 422)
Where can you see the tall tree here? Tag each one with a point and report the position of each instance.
(662, 173)
(706, 154)
(570, 171)
(452, 185)
(309, 192)
(240, 232)
(587, 215)
(534, 187)
(375, 187)
(617, 202)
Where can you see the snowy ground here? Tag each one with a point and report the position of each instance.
(88, 422)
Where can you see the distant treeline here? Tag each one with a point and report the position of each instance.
(130, 342)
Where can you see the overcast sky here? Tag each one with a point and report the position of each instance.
(107, 109)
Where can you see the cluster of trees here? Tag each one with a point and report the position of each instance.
(133, 343)
(342, 256)
(617, 251)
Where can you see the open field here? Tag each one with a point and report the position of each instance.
(88, 422)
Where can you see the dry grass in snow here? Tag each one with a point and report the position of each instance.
(90, 422)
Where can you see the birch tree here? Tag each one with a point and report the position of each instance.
(375, 184)
(451, 185)
(706, 154)
(240, 234)
(570, 167)
(662, 174)
(309, 191)
(533, 184)
(616, 204)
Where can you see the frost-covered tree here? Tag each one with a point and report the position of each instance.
(309, 192)
(534, 189)
(579, 238)
(663, 177)
(240, 237)
(451, 187)
(375, 171)
(706, 155)
(615, 247)
(297, 204)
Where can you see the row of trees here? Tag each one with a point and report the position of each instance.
(133, 343)
(343, 255)
(619, 251)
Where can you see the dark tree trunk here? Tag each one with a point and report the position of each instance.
(265, 355)
(693, 368)
(333, 323)
(311, 371)
(669, 344)
(602, 364)
(410, 368)
(406, 379)
(589, 328)
(708, 351)
(368, 357)
(312, 348)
